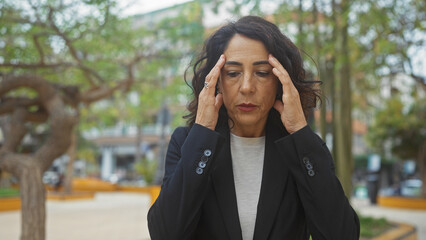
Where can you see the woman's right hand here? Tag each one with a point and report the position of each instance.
(208, 103)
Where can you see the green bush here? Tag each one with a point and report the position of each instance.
(371, 227)
(9, 192)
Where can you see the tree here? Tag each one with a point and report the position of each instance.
(174, 40)
(28, 168)
(403, 126)
(57, 58)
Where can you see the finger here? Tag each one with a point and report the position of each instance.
(214, 74)
(281, 73)
(279, 106)
(218, 101)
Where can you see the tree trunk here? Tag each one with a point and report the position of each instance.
(300, 22)
(344, 121)
(33, 210)
(422, 166)
(138, 154)
(331, 66)
(72, 153)
(320, 65)
(159, 175)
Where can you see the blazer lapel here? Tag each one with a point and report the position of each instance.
(223, 182)
(274, 179)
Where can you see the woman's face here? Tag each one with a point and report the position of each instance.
(248, 86)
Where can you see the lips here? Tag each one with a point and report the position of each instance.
(246, 107)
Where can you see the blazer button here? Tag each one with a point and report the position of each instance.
(207, 152)
(204, 158)
(306, 160)
(311, 173)
(309, 166)
(199, 171)
(202, 164)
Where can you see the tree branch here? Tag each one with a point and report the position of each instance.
(37, 117)
(87, 71)
(101, 26)
(11, 162)
(61, 125)
(96, 94)
(37, 65)
(61, 122)
(9, 104)
(16, 131)
(35, 82)
(39, 48)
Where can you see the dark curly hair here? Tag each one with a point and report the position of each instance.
(280, 46)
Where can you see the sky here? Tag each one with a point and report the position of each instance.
(142, 6)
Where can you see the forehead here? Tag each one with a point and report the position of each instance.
(245, 50)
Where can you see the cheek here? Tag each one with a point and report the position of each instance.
(228, 92)
(269, 98)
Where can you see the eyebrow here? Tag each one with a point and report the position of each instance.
(239, 64)
(233, 63)
(261, 62)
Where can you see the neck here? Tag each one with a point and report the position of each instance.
(246, 131)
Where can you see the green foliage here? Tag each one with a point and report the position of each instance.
(171, 43)
(147, 169)
(89, 33)
(86, 150)
(9, 192)
(371, 227)
(400, 124)
(361, 161)
(39, 33)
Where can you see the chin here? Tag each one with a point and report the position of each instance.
(249, 121)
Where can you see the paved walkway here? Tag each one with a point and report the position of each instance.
(110, 216)
(413, 217)
(122, 216)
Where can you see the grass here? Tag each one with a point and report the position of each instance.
(9, 192)
(371, 227)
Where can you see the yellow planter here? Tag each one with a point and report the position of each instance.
(154, 192)
(10, 204)
(72, 196)
(400, 231)
(92, 185)
(402, 202)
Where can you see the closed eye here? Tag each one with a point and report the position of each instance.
(232, 74)
(262, 73)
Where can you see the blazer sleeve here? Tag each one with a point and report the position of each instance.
(328, 212)
(190, 156)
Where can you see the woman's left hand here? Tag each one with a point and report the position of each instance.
(290, 107)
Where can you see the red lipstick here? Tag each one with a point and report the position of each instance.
(246, 107)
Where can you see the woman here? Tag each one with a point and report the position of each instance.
(248, 166)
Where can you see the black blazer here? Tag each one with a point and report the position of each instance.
(300, 194)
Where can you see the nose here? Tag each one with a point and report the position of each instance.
(247, 84)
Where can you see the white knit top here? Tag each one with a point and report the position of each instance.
(247, 164)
